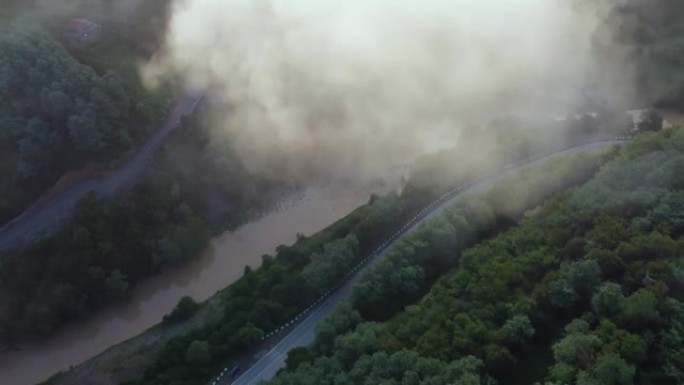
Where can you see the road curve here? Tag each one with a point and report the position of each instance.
(304, 332)
(42, 220)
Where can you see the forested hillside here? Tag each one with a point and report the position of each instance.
(586, 290)
(67, 103)
(55, 113)
(165, 220)
(285, 285)
(71, 104)
(58, 114)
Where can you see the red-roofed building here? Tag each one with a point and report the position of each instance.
(83, 29)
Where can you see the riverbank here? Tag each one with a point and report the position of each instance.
(127, 359)
(305, 213)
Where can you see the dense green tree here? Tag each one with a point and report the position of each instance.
(198, 353)
(670, 211)
(298, 356)
(611, 369)
(608, 301)
(628, 345)
(250, 335)
(584, 276)
(673, 338)
(401, 368)
(577, 281)
(349, 347)
(578, 348)
(342, 320)
(417, 259)
(607, 233)
(640, 308)
(518, 329)
(58, 105)
(185, 308)
(562, 294)
(326, 268)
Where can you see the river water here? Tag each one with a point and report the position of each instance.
(224, 262)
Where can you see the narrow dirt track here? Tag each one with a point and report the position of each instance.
(40, 221)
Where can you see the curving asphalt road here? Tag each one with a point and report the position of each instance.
(304, 332)
(42, 220)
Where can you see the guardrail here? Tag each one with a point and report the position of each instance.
(427, 210)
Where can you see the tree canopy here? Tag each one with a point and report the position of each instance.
(52, 105)
(587, 289)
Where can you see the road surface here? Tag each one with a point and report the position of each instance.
(304, 332)
(42, 220)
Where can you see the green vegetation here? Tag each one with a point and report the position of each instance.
(109, 247)
(120, 48)
(185, 308)
(67, 104)
(586, 290)
(55, 114)
(324, 269)
(165, 220)
(284, 285)
(402, 367)
(265, 298)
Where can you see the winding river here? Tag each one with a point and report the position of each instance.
(224, 262)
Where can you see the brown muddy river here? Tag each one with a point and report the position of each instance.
(222, 264)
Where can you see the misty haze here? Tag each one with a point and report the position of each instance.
(291, 192)
(356, 86)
